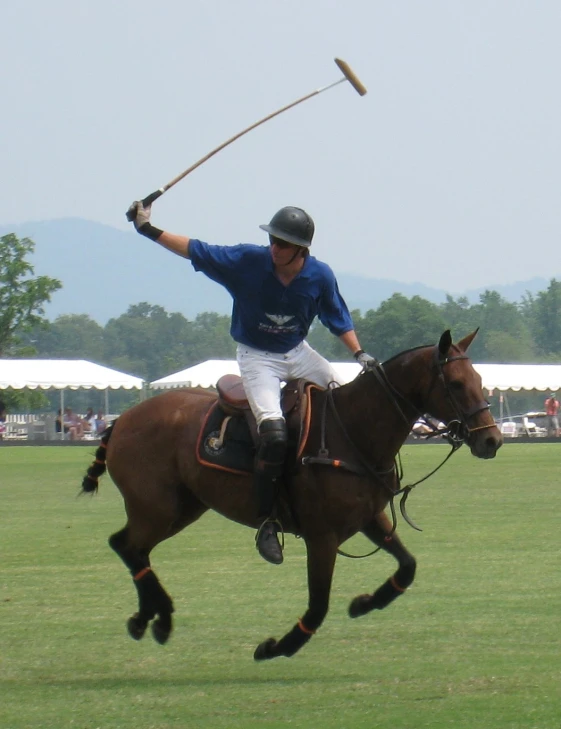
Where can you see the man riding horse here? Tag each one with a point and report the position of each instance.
(277, 292)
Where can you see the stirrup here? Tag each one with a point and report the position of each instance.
(280, 529)
(266, 557)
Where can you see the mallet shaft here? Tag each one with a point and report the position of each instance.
(348, 75)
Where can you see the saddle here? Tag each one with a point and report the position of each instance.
(294, 403)
(228, 438)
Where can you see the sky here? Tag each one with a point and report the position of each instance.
(448, 172)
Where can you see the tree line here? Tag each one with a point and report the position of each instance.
(150, 342)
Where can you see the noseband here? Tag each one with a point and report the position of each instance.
(458, 428)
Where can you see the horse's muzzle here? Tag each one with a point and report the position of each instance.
(485, 443)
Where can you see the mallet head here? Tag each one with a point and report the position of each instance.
(351, 77)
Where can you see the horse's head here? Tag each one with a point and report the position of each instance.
(454, 395)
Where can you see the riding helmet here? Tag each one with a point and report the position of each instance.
(292, 225)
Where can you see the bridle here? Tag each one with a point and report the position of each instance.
(457, 430)
(459, 427)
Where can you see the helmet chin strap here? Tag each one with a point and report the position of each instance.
(297, 252)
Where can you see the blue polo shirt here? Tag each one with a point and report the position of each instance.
(266, 314)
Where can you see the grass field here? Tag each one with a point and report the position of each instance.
(474, 643)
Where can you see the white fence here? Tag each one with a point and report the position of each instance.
(27, 426)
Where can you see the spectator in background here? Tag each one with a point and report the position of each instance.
(100, 423)
(88, 422)
(552, 412)
(59, 423)
(2, 419)
(74, 424)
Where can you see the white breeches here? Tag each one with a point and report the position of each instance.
(263, 372)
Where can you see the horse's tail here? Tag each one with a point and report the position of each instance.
(90, 481)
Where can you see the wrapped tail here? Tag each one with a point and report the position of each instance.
(90, 481)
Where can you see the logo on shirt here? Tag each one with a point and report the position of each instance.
(279, 324)
(279, 319)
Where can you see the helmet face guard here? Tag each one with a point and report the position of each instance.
(292, 225)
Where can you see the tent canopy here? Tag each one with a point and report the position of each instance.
(204, 374)
(495, 376)
(207, 374)
(62, 374)
(520, 376)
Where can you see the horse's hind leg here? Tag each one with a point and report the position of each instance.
(152, 598)
(379, 531)
(133, 544)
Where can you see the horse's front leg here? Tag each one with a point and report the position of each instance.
(379, 531)
(322, 552)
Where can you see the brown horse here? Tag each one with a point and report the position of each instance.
(340, 484)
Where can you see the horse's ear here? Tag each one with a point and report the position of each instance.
(445, 343)
(464, 343)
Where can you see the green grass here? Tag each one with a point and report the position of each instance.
(474, 643)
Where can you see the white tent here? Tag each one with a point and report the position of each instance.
(520, 377)
(62, 374)
(207, 374)
(495, 376)
(204, 374)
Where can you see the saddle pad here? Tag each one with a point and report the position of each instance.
(234, 451)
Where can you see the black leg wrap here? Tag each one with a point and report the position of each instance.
(293, 641)
(386, 594)
(152, 596)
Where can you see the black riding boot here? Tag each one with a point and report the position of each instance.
(267, 542)
(268, 469)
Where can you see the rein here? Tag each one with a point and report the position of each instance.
(457, 431)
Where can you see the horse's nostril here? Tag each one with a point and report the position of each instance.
(493, 444)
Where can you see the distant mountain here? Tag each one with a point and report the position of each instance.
(105, 270)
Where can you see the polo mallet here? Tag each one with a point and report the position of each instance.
(348, 75)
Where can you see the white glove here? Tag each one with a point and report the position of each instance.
(138, 214)
(366, 361)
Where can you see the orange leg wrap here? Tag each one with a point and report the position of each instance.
(305, 630)
(142, 573)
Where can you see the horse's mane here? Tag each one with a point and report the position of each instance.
(405, 352)
(386, 362)
(413, 349)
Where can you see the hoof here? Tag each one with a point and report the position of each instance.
(265, 650)
(360, 606)
(160, 632)
(136, 627)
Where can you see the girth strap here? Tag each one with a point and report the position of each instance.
(333, 462)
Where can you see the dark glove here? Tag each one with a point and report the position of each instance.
(138, 214)
(366, 361)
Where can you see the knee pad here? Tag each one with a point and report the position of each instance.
(272, 444)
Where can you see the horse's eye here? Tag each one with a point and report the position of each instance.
(456, 385)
